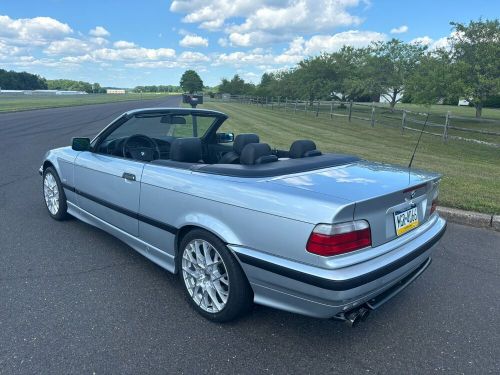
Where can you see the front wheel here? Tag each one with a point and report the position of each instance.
(212, 278)
(53, 194)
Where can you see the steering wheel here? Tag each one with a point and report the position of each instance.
(140, 147)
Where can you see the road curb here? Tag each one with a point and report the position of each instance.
(474, 219)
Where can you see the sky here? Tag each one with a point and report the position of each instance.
(126, 43)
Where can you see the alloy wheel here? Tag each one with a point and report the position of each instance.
(205, 275)
(51, 193)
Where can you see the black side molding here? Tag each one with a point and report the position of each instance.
(339, 285)
(124, 211)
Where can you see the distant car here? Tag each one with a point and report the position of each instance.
(320, 234)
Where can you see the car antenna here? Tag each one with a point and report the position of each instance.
(416, 146)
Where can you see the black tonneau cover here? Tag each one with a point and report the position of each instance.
(278, 168)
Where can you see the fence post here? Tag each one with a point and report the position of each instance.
(272, 102)
(331, 109)
(279, 97)
(403, 121)
(266, 101)
(372, 118)
(305, 107)
(286, 103)
(295, 107)
(446, 124)
(350, 110)
(317, 109)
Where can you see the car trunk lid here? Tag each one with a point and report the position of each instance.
(378, 193)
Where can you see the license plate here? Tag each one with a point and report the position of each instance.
(406, 220)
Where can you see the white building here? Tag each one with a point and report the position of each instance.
(115, 91)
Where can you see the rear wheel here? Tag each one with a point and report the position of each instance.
(53, 194)
(212, 278)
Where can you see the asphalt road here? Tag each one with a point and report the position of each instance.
(76, 300)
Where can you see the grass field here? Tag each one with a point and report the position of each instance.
(27, 102)
(471, 173)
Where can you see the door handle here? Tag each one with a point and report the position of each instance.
(128, 176)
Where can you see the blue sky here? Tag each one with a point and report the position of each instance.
(127, 43)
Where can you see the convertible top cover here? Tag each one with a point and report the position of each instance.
(280, 168)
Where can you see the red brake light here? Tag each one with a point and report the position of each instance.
(328, 240)
(433, 206)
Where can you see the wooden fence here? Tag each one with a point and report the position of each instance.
(485, 132)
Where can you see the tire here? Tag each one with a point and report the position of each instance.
(218, 289)
(53, 194)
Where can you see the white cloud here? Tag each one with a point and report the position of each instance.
(32, 31)
(68, 46)
(99, 31)
(434, 44)
(300, 47)
(223, 42)
(193, 57)
(123, 44)
(399, 30)
(137, 53)
(423, 40)
(193, 41)
(267, 21)
(256, 38)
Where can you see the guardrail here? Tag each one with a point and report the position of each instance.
(484, 132)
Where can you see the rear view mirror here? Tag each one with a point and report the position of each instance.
(80, 144)
(225, 137)
(173, 120)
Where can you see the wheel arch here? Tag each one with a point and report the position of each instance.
(210, 225)
(46, 164)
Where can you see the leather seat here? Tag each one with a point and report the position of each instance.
(302, 149)
(240, 141)
(187, 150)
(257, 153)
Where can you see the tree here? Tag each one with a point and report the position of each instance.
(236, 86)
(389, 66)
(433, 79)
(476, 53)
(10, 80)
(191, 82)
(349, 64)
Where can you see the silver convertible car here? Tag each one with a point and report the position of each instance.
(320, 234)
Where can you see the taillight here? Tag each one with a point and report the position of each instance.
(434, 206)
(335, 239)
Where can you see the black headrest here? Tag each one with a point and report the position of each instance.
(303, 148)
(257, 153)
(242, 140)
(186, 149)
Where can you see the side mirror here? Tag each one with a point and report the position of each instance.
(80, 144)
(225, 137)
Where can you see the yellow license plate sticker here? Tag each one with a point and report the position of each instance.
(406, 220)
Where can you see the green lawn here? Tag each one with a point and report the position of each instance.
(27, 102)
(471, 173)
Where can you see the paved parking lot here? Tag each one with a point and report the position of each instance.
(75, 300)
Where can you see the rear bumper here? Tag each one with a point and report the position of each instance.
(324, 293)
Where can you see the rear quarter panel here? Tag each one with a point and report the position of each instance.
(244, 212)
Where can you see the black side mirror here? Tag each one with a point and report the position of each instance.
(225, 137)
(80, 144)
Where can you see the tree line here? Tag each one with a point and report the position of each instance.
(157, 88)
(468, 68)
(11, 80)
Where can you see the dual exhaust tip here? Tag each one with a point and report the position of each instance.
(354, 317)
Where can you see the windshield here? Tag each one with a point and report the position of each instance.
(164, 126)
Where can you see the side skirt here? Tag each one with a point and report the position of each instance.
(154, 254)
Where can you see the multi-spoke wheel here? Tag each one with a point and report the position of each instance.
(53, 194)
(213, 279)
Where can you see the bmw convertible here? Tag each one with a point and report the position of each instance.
(321, 234)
